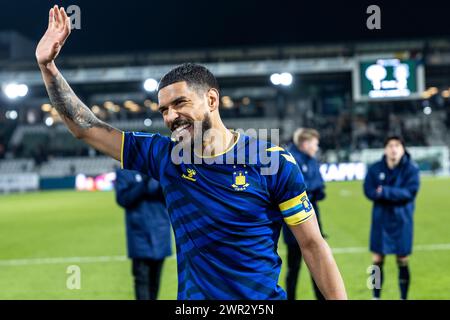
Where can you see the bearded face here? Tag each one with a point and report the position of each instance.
(187, 131)
(185, 111)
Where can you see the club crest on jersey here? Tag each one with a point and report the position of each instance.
(240, 180)
(190, 175)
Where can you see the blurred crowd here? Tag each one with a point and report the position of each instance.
(345, 131)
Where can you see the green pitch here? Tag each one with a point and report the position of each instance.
(62, 225)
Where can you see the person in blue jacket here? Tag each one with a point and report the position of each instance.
(392, 184)
(147, 228)
(304, 149)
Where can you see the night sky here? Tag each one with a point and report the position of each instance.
(138, 25)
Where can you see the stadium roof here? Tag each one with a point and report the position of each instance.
(136, 25)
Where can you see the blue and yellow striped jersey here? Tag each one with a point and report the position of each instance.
(226, 217)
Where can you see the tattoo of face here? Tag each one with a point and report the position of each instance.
(70, 107)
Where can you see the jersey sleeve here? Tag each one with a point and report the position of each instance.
(289, 191)
(144, 152)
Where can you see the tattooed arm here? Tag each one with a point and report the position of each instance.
(80, 120)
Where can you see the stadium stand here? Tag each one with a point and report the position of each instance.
(16, 166)
(74, 165)
(321, 97)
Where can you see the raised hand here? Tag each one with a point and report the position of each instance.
(79, 119)
(52, 41)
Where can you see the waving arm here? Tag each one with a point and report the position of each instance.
(79, 119)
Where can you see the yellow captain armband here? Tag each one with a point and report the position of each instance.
(297, 210)
(121, 150)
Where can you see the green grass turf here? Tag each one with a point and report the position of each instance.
(81, 224)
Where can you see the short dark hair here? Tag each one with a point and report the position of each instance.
(394, 137)
(195, 75)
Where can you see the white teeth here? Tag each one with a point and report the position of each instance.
(179, 129)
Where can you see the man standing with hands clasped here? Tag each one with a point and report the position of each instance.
(392, 184)
(148, 229)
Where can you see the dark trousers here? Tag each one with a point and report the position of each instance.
(294, 260)
(147, 274)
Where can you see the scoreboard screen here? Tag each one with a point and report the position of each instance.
(388, 79)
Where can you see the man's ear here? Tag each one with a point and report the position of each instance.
(213, 99)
